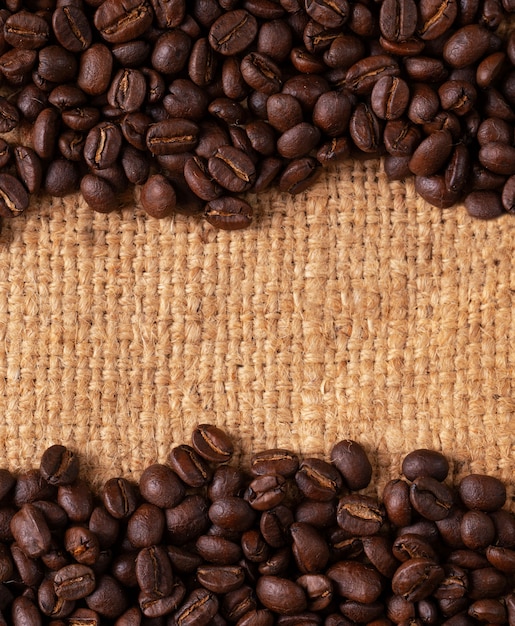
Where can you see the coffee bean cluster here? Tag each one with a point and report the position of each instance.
(200, 541)
(192, 103)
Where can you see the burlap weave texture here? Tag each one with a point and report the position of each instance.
(354, 310)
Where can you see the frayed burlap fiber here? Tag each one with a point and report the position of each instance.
(355, 310)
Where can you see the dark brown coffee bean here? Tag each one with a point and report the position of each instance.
(362, 76)
(430, 498)
(329, 14)
(274, 461)
(17, 64)
(28, 167)
(365, 129)
(59, 465)
(352, 461)
(199, 607)
(397, 503)
(436, 17)
(356, 581)
(128, 90)
(26, 30)
(261, 73)
(44, 132)
(482, 492)
(298, 141)
(390, 97)
(281, 595)
(458, 96)
(275, 40)
(72, 28)
(56, 64)
(118, 23)
(486, 582)
(82, 544)
(218, 550)
(431, 154)
(188, 520)
(108, 598)
(98, 194)
(119, 498)
(484, 204)
(412, 546)
(212, 443)
(344, 51)
(9, 116)
(74, 582)
(191, 468)
(172, 136)
(360, 515)
(398, 19)
(466, 46)
(425, 462)
(171, 51)
(30, 531)
(14, 199)
(416, 579)
(310, 549)
(232, 169)
(94, 75)
(233, 32)
(158, 196)
(102, 146)
(496, 157)
(24, 612)
(434, 190)
(232, 513)
(457, 172)
(299, 175)
(266, 492)
(154, 571)
(306, 89)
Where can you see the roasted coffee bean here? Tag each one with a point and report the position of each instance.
(102, 146)
(363, 75)
(299, 175)
(298, 141)
(416, 579)
(73, 582)
(360, 515)
(94, 74)
(281, 595)
(232, 169)
(14, 199)
(352, 461)
(425, 462)
(171, 51)
(365, 129)
(431, 154)
(72, 28)
(466, 46)
(233, 32)
(496, 157)
(199, 608)
(172, 136)
(119, 498)
(481, 492)
(158, 196)
(356, 581)
(430, 498)
(390, 97)
(118, 23)
(98, 193)
(398, 19)
(108, 598)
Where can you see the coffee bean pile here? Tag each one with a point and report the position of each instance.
(293, 542)
(194, 103)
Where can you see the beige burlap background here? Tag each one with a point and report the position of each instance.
(355, 310)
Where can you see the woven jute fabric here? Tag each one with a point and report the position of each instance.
(355, 310)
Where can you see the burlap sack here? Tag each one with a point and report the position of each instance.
(355, 310)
